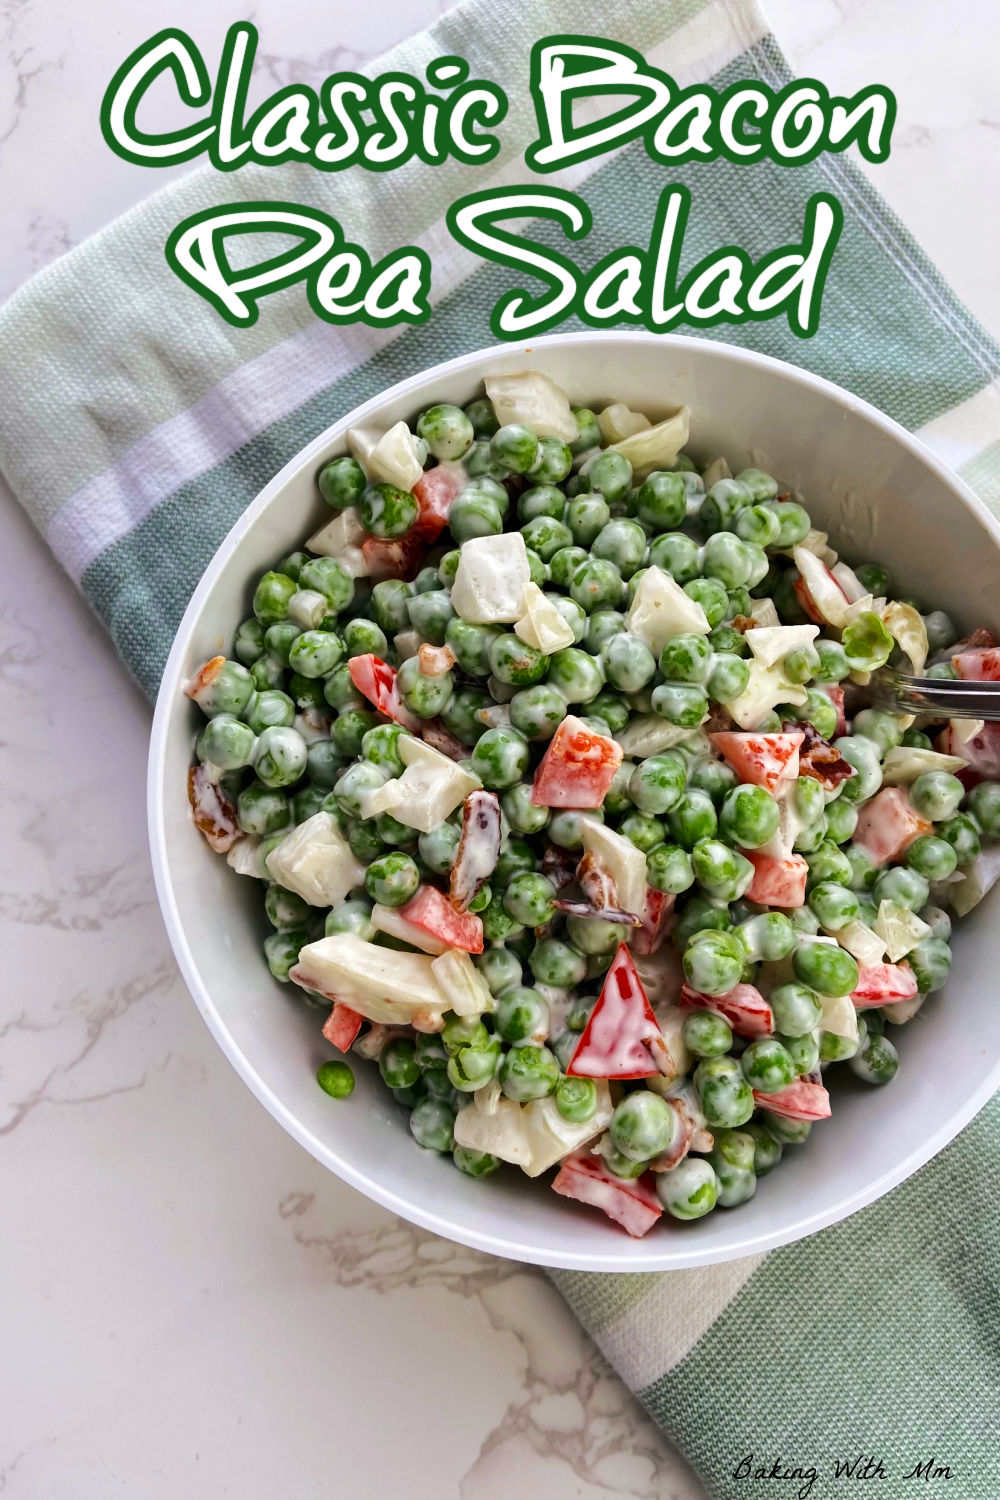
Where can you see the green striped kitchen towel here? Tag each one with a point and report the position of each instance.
(135, 426)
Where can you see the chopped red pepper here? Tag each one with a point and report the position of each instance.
(577, 768)
(379, 683)
(763, 759)
(981, 665)
(744, 1007)
(888, 824)
(432, 912)
(434, 492)
(617, 1040)
(634, 1205)
(342, 1026)
(397, 557)
(779, 879)
(883, 984)
(801, 1100)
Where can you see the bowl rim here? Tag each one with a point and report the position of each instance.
(411, 1209)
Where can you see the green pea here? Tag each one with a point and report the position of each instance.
(573, 615)
(248, 642)
(588, 431)
(281, 949)
(962, 834)
(828, 863)
(341, 482)
(555, 461)
(398, 1064)
(336, 1079)
(541, 500)
(904, 886)
(677, 554)
(629, 665)
(350, 916)
(686, 658)
(769, 936)
(736, 1184)
(799, 666)
(724, 1093)
(280, 756)
(866, 641)
(834, 1048)
(657, 784)
(825, 967)
(474, 514)
(614, 710)
(280, 637)
(794, 522)
(766, 1149)
(680, 703)
(713, 777)
(603, 626)
(392, 879)
(749, 816)
(500, 758)
(728, 678)
(389, 604)
(262, 810)
(933, 858)
(693, 818)
(394, 833)
(529, 898)
(713, 962)
(983, 803)
(596, 584)
(330, 578)
(521, 1015)
(767, 1065)
(469, 1068)
(554, 962)
(835, 905)
(575, 674)
(227, 743)
(712, 597)
(432, 1124)
(728, 559)
(576, 1099)
(930, 961)
(528, 1072)
(607, 473)
(841, 821)
(285, 909)
(515, 662)
(315, 653)
(643, 1125)
(349, 729)
(706, 1034)
(622, 542)
(701, 915)
(387, 511)
(721, 871)
(723, 504)
(515, 448)
(424, 695)
(447, 431)
(877, 1062)
(564, 563)
(272, 597)
(797, 1009)
(661, 501)
(690, 1190)
(757, 524)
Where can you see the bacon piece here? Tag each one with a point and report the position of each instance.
(979, 665)
(883, 984)
(634, 1205)
(595, 881)
(205, 676)
(433, 913)
(213, 813)
(820, 760)
(888, 824)
(577, 768)
(676, 1152)
(779, 879)
(622, 1030)
(602, 913)
(835, 693)
(435, 661)
(434, 491)
(478, 848)
(802, 1100)
(763, 759)
(744, 1007)
(379, 683)
(981, 753)
(342, 1026)
(655, 922)
(397, 557)
(977, 639)
(559, 866)
(433, 732)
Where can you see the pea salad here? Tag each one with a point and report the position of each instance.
(552, 754)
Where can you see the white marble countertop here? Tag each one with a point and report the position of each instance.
(190, 1305)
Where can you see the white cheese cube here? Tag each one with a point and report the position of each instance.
(621, 859)
(766, 687)
(541, 625)
(899, 928)
(342, 538)
(388, 920)
(428, 791)
(620, 421)
(242, 857)
(383, 984)
(770, 643)
(979, 877)
(661, 610)
(489, 583)
(391, 457)
(903, 764)
(461, 981)
(656, 447)
(315, 861)
(861, 943)
(649, 735)
(533, 400)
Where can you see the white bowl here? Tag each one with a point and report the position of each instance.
(882, 496)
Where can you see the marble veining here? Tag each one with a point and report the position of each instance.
(191, 1305)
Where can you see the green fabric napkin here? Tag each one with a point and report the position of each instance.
(135, 426)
